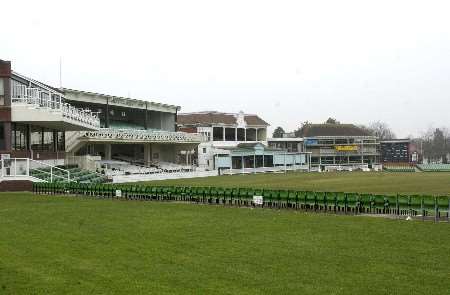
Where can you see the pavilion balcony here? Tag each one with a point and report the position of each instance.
(47, 108)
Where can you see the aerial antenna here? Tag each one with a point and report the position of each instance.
(60, 72)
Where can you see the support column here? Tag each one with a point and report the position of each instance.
(256, 134)
(107, 151)
(235, 134)
(146, 117)
(107, 113)
(147, 154)
(245, 134)
(223, 133)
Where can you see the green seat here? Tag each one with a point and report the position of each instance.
(353, 202)
(443, 206)
(391, 204)
(429, 205)
(293, 199)
(404, 205)
(243, 192)
(268, 198)
(220, 195)
(331, 201)
(321, 201)
(283, 196)
(341, 201)
(366, 201)
(310, 200)
(228, 196)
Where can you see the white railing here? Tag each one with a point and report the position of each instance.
(265, 169)
(24, 167)
(37, 98)
(142, 135)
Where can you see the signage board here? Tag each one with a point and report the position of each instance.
(346, 148)
(258, 200)
(311, 142)
(118, 193)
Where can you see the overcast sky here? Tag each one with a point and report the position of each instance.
(288, 61)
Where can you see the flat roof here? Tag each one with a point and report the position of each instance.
(286, 139)
(395, 141)
(132, 100)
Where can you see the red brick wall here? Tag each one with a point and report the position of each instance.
(16, 186)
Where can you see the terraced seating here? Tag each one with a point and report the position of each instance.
(434, 167)
(399, 169)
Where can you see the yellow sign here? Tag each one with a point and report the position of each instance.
(346, 148)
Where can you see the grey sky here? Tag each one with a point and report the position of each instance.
(288, 61)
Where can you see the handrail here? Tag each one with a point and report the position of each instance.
(28, 168)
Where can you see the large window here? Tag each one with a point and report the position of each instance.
(61, 141)
(18, 137)
(2, 136)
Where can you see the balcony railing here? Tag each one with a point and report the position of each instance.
(141, 135)
(37, 98)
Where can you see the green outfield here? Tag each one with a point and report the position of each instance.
(361, 182)
(75, 245)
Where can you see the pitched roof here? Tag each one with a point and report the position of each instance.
(311, 130)
(208, 118)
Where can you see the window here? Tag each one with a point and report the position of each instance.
(2, 92)
(204, 150)
(123, 114)
(18, 136)
(2, 136)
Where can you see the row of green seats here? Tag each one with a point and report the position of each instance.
(337, 201)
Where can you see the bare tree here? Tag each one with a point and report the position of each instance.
(381, 130)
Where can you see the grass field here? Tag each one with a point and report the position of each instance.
(69, 245)
(363, 182)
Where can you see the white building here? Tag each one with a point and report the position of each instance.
(222, 131)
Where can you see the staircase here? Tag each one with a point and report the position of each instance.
(36, 171)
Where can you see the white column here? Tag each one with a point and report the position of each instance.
(245, 134)
(107, 151)
(256, 134)
(223, 133)
(235, 134)
(147, 154)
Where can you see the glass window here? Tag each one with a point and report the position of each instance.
(18, 137)
(2, 136)
(36, 138)
(61, 141)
